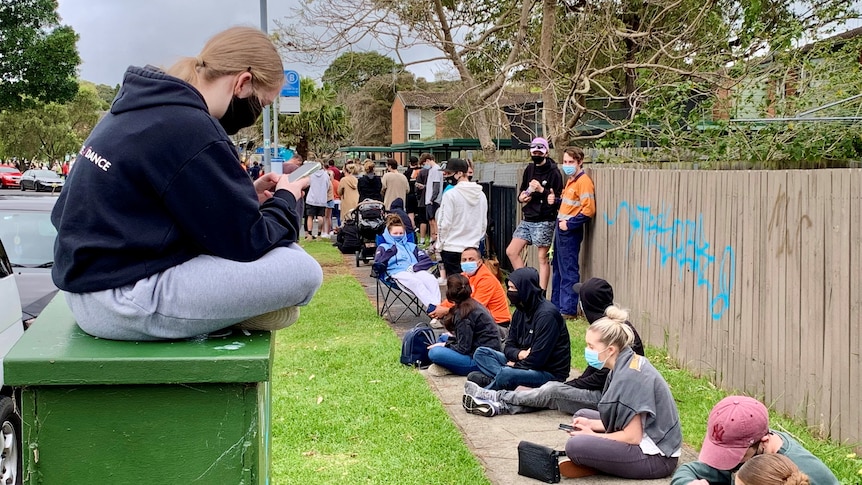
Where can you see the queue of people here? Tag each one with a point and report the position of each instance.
(201, 216)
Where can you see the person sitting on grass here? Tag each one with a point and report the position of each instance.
(471, 326)
(636, 431)
(404, 261)
(773, 469)
(584, 392)
(487, 289)
(537, 349)
(738, 429)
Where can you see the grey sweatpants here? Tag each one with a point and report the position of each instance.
(551, 395)
(202, 295)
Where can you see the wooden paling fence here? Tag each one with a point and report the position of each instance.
(753, 278)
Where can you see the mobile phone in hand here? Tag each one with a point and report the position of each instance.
(304, 170)
(567, 427)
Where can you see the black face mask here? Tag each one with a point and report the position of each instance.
(241, 113)
(450, 180)
(538, 159)
(515, 299)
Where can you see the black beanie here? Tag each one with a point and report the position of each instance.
(596, 296)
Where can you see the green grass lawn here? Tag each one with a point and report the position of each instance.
(346, 411)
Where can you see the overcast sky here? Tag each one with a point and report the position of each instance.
(117, 33)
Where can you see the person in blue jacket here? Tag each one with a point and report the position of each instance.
(161, 233)
(405, 262)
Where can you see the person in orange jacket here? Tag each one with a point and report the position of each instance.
(487, 288)
(577, 206)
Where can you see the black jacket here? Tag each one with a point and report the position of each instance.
(370, 186)
(596, 295)
(157, 183)
(537, 325)
(476, 329)
(549, 175)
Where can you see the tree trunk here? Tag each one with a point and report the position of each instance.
(550, 106)
(483, 130)
(302, 147)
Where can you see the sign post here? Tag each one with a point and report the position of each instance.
(288, 101)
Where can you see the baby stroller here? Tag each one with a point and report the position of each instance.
(370, 220)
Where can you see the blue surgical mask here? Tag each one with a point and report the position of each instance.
(469, 267)
(569, 169)
(592, 358)
(399, 239)
(427, 165)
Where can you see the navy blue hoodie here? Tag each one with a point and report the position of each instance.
(157, 183)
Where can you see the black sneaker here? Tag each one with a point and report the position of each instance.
(479, 378)
(474, 405)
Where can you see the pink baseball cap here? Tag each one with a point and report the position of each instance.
(734, 424)
(539, 144)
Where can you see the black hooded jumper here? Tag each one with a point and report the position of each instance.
(537, 325)
(596, 295)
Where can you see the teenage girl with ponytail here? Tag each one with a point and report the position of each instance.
(636, 431)
(770, 469)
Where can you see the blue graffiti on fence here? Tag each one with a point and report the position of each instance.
(684, 242)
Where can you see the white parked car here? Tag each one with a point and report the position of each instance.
(11, 329)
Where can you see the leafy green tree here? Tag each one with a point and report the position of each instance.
(351, 70)
(38, 57)
(49, 131)
(322, 124)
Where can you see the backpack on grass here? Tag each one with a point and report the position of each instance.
(414, 346)
(348, 239)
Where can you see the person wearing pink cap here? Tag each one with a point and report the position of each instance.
(737, 430)
(539, 214)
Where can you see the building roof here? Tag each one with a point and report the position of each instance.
(435, 100)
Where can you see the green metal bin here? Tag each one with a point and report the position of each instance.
(98, 411)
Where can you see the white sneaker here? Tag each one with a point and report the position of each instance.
(325, 235)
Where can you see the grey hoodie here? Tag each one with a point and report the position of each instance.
(318, 189)
(462, 217)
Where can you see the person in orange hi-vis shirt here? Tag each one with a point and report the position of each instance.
(487, 289)
(577, 207)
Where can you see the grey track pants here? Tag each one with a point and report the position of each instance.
(551, 395)
(202, 295)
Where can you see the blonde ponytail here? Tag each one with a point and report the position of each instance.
(232, 51)
(613, 329)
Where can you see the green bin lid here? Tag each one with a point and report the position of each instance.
(55, 351)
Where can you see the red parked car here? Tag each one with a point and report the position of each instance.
(10, 177)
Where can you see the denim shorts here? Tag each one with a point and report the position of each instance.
(536, 233)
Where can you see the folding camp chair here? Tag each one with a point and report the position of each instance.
(392, 297)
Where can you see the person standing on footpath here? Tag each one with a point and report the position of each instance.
(541, 178)
(394, 184)
(577, 207)
(462, 217)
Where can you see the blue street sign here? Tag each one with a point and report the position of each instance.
(291, 85)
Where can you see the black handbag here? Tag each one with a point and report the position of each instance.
(539, 462)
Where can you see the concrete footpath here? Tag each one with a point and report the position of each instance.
(494, 441)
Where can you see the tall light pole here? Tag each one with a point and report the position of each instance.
(267, 158)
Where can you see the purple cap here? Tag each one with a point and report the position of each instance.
(539, 144)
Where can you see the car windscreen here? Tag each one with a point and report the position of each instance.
(28, 238)
(46, 174)
(8, 170)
